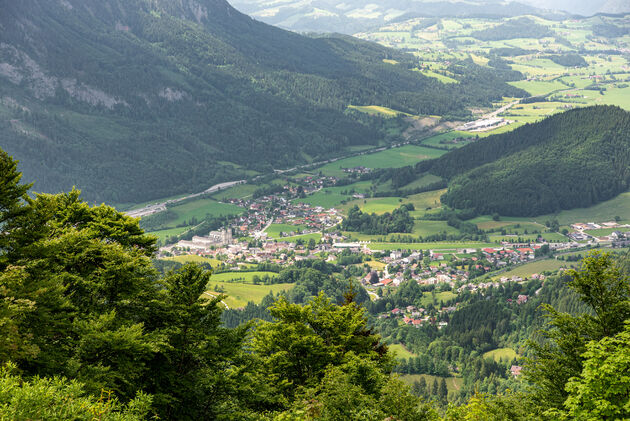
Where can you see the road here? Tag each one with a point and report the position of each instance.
(212, 296)
(159, 207)
(258, 234)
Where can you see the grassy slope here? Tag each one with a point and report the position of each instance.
(390, 158)
(501, 354)
(238, 295)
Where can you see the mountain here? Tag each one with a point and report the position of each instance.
(570, 160)
(355, 16)
(139, 99)
(615, 6)
(579, 7)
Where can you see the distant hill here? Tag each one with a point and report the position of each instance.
(574, 159)
(583, 7)
(352, 16)
(132, 100)
(615, 6)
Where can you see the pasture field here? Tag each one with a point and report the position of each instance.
(305, 237)
(528, 269)
(401, 351)
(376, 265)
(164, 234)
(421, 228)
(604, 231)
(239, 294)
(327, 198)
(539, 87)
(427, 228)
(424, 201)
(438, 245)
(424, 181)
(377, 205)
(444, 296)
(448, 136)
(236, 192)
(198, 209)
(389, 158)
(602, 212)
(274, 230)
(501, 354)
(332, 197)
(552, 237)
(485, 222)
(453, 384)
(240, 277)
(193, 258)
(442, 78)
(376, 110)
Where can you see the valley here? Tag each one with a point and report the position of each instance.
(412, 210)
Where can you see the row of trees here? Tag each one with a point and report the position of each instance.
(398, 221)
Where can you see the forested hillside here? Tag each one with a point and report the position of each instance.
(133, 100)
(570, 160)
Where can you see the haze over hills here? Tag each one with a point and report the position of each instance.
(354, 16)
(583, 7)
(134, 100)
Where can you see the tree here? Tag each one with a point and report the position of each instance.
(481, 407)
(443, 391)
(190, 373)
(58, 398)
(605, 289)
(602, 390)
(296, 348)
(13, 198)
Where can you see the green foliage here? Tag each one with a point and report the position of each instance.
(398, 221)
(511, 29)
(569, 60)
(605, 290)
(295, 350)
(609, 30)
(58, 398)
(602, 390)
(483, 407)
(340, 397)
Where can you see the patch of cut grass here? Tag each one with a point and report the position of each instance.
(501, 354)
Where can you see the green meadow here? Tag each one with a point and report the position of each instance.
(438, 245)
(528, 269)
(240, 277)
(376, 110)
(453, 384)
(389, 158)
(602, 212)
(239, 294)
(274, 230)
(501, 355)
(401, 351)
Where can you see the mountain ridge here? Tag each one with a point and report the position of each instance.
(570, 160)
(136, 100)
